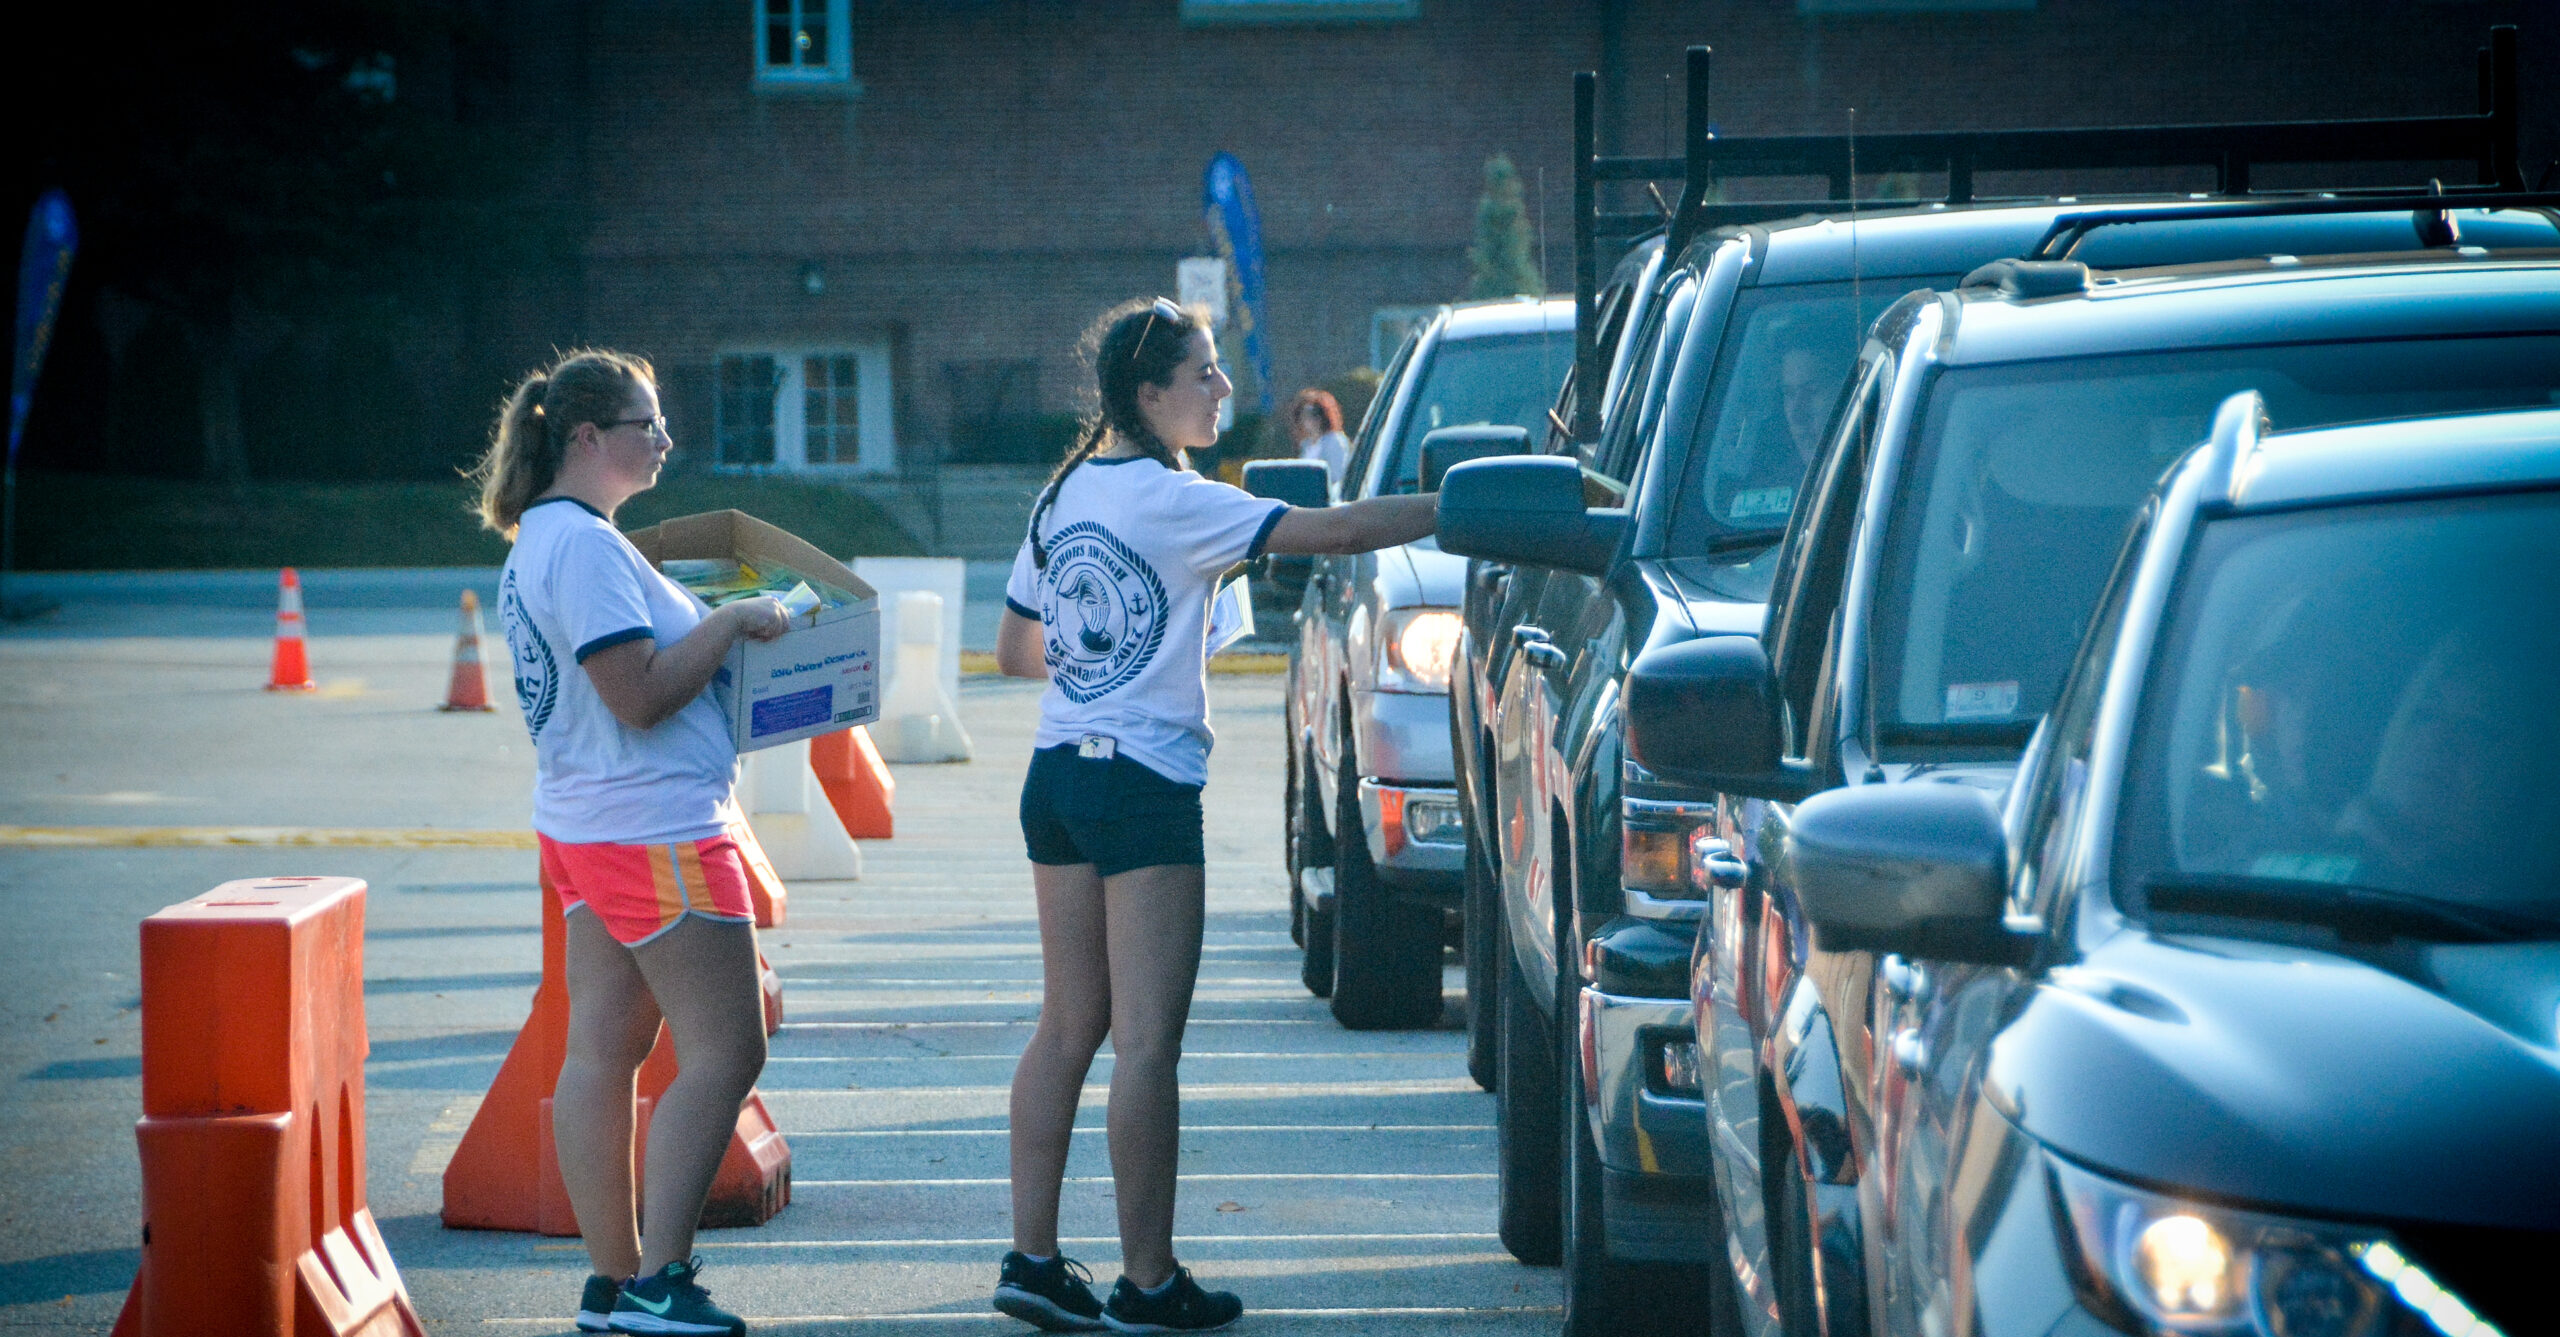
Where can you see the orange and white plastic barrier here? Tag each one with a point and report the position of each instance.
(506, 1175)
(290, 670)
(469, 689)
(856, 781)
(254, 1218)
(792, 817)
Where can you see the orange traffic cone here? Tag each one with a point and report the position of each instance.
(470, 689)
(291, 671)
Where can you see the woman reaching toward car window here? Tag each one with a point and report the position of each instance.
(1109, 602)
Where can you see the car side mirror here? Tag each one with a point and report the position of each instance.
(1298, 482)
(1918, 868)
(1456, 445)
(1706, 713)
(1528, 512)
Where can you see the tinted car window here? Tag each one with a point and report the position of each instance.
(2360, 697)
(1506, 380)
(2016, 496)
(1785, 359)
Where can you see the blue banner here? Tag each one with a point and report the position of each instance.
(1236, 227)
(43, 267)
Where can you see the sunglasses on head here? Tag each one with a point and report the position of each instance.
(1164, 307)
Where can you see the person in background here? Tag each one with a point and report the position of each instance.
(633, 800)
(1315, 422)
(1109, 603)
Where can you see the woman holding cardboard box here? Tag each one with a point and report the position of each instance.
(634, 769)
(1110, 602)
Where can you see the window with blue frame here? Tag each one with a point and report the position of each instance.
(803, 43)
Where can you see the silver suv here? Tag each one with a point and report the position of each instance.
(1376, 846)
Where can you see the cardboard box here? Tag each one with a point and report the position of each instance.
(818, 677)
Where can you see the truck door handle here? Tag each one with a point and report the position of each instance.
(1524, 633)
(1542, 654)
(1715, 865)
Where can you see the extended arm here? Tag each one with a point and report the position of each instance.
(1358, 526)
(1018, 650)
(643, 684)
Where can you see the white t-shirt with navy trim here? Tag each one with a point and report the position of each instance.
(1135, 551)
(573, 586)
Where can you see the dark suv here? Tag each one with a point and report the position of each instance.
(2242, 1016)
(1934, 580)
(1662, 526)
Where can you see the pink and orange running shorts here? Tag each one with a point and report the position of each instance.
(641, 891)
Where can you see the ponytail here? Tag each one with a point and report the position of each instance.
(1139, 342)
(532, 434)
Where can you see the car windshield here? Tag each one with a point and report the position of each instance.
(2355, 699)
(2015, 499)
(1503, 380)
(1786, 353)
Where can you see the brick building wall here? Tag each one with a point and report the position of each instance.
(1010, 167)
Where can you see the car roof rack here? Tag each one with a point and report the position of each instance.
(2233, 151)
(2069, 230)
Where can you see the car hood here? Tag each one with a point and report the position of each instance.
(1438, 578)
(1721, 598)
(2293, 1077)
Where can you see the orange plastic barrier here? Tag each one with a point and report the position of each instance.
(290, 670)
(252, 1135)
(469, 689)
(858, 784)
(506, 1175)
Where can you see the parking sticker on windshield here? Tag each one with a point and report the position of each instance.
(1763, 502)
(1981, 701)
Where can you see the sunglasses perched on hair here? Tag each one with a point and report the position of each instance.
(1165, 308)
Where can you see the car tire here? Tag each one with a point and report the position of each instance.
(1482, 910)
(1386, 951)
(1306, 846)
(1525, 1098)
(1602, 1295)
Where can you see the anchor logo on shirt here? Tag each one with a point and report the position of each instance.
(1102, 611)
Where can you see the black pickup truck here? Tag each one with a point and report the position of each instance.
(1659, 523)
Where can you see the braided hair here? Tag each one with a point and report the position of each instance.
(1139, 342)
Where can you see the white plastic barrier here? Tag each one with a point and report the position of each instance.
(919, 721)
(792, 818)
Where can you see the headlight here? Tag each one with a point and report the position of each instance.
(2177, 1266)
(1413, 654)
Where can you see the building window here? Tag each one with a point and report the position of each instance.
(804, 43)
(821, 408)
(1298, 11)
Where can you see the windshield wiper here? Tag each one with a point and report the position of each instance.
(2358, 913)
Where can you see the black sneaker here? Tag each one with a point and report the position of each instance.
(670, 1300)
(1181, 1306)
(595, 1304)
(1055, 1296)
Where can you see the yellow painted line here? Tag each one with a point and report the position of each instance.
(263, 837)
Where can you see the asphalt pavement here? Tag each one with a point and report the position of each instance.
(1341, 1183)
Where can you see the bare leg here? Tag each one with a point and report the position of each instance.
(1075, 1014)
(703, 974)
(612, 1024)
(1154, 917)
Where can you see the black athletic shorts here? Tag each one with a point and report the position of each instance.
(1114, 814)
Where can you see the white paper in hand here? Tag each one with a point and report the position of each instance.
(1230, 615)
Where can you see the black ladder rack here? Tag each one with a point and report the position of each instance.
(2233, 151)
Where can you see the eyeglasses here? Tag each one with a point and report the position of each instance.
(1164, 307)
(656, 423)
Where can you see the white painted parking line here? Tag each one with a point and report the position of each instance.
(1203, 1091)
(1188, 1129)
(798, 1184)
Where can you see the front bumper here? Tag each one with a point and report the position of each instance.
(1657, 1194)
